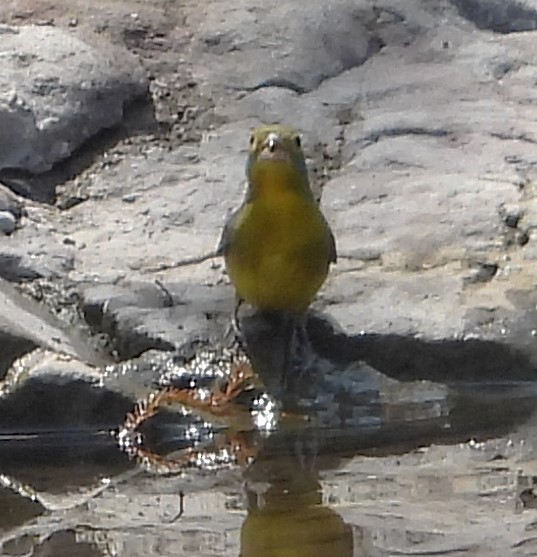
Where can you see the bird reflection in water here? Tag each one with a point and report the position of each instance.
(289, 518)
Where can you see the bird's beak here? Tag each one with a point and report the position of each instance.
(272, 149)
(272, 142)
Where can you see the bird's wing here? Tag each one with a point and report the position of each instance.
(332, 250)
(227, 232)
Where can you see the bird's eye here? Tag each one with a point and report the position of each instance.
(297, 141)
(252, 140)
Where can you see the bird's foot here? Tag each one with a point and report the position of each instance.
(303, 354)
(234, 329)
(300, 359)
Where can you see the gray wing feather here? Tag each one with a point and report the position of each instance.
(227, 232)
(332, 250)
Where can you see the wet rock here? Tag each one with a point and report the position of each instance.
(441, 486)
(57, 92)
(43, 365)
(54, 410)
(58, 542)
(57, 392)
(19, 509)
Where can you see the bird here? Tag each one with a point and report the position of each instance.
(277, 245)
(291, 518)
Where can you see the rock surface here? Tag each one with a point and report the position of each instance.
(11, 210)
(58, 91)
(25, 325)
(419, 127)
(420, 133)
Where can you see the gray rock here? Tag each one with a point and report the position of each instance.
(425, 151)
(16, 266)
(428, 141)
(271, 46)
(7, 222)
(10, 202)
(20, 262)
(498, 15)
(45, 365)
(25, 324)
(144, 316)
(58, 91)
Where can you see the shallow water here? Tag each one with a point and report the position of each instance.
(422, 476)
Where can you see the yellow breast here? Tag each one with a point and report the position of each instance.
(280, 253)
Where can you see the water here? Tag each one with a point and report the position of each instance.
(415, 473)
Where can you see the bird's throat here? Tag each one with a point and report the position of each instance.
(272, 180)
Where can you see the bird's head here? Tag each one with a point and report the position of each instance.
(276, 150)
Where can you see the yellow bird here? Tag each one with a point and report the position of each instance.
(292, 520)
(277, 245)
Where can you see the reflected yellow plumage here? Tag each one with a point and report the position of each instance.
(294, 522)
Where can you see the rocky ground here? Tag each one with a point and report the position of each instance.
(123, 133)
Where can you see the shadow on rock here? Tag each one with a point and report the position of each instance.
(139, 119)
(501, 17)
(60, 543)
(389, 393)
(410, 359)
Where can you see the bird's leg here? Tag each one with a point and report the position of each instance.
(298, 355)
(288, 359)
(303, 350)
(234, 325)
